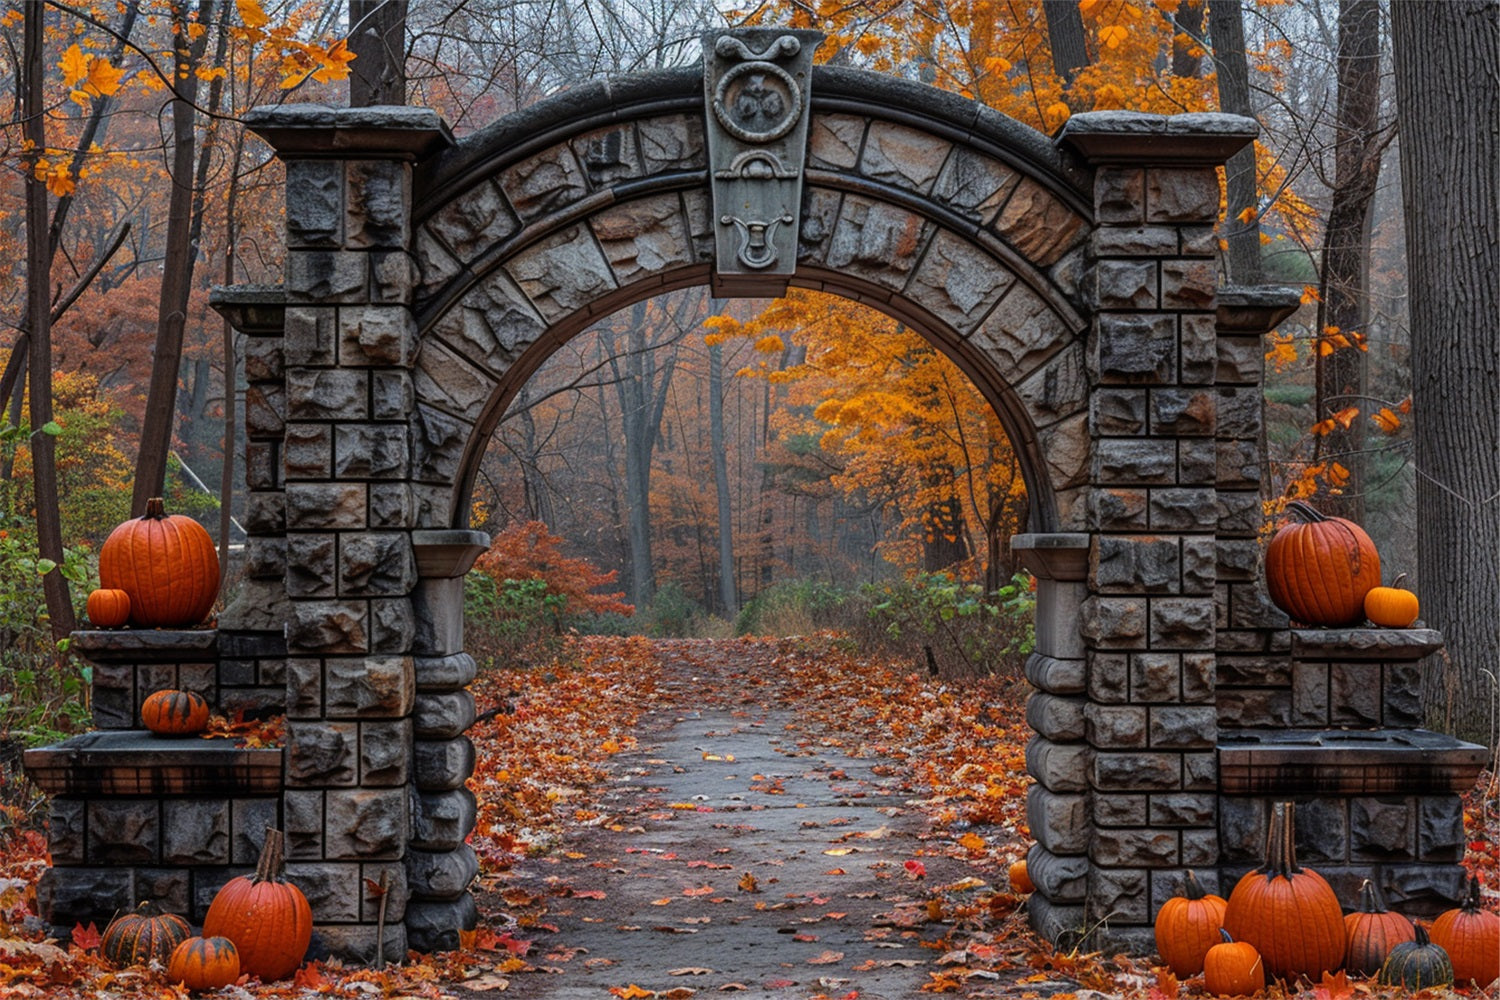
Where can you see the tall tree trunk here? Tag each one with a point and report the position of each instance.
(1187, 42)
(377, 37)
(39, 325)
(727, 594)
(1242, 228)
(642, 392)
(231, 365)
(1447, 61)
(1070, 52)
(1344, 286)
(177, 268)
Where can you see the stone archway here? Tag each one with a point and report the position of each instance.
(1075, 281)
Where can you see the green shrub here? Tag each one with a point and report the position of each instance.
(798, 607)
(937, 621)
(511, 622)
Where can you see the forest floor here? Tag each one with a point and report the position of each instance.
(777, 819)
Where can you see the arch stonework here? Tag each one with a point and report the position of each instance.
(1075, 280)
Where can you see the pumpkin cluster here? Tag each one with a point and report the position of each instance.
(1282, 921)
(159, 570)
(1325, 570)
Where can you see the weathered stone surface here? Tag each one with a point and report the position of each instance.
(384, 752)
(393, 625)
(1183, 195)
(1120, 895)
(974, 185)
(1125, 284)
(1199, 362)
(1139, 241)
(396, 894)
(1254, 708)
(303, 815)
(1200, 846)
(1124, 846)
(1183, 727)
(672, 142)
(314, 203)
(1182, 509)
(1060, 823)
(445, 673)
(434, 262)
(304, 689)
(1200, 771)
(330, 627)
(357, 944)
(1059, 676)
(1183, 412)
(376, 203)
(376, 335)
(327, 394)
(1058, 767)
(195, 832)
(1238, 463)
(1183, 809)
(1196, 459)
(902, 156)
(820, 217)
(375, 564)
(390, 505)
(365, 823)
(1241, 360)
(123, 831)
(393, 277)
(441, 821)
(1127, 461)
(1135, 564)
(370, 451)
(1382, 829)
(322, 753)
(609, 155)
(332, 889)
(1155, 677)
(876, 241)
(442, 716)
(1114, 622)
(1038, 224)
(265, 410)
(646, 236)
(1138, 771)
(1116, 727)
(1119, 195)
(1135, 349)
(1182, 623)
(1021, 332)
(439, 765)
(1119, 810)
(249, 819)
(1119, 509)
(1440, 828)
(834, 141)
(263, 465)
(1056, 717)
(1188, 284)
(66, 828)
(1401, 691)
(543, 183)
(391, 394)
(1199, 569)
(310, 570)
(1310, 694)
(1167, 883)
(958, 282)
(493, 325)
(264, 359)
(1322, 828)
(441, 875)
(433, 926)
(66, 896)
(1116, 411)
(1109, 677)
(326, 276)
(1061, 878)
(1066, 447)
(368, 687)
(438, 441)
(265, 513)
(1242, 829)
(562, 273)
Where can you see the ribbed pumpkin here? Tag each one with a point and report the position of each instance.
(166, 563)
(108, 608)
(1372, 931)
(1393, 606)
(1233, 968)
(143, 936)
(1417, 964)
(1319, 569)
(204, 963)
(1289, 914)
(1471, 937)
(267, 918)
(1020, 877)
(1187, 926)
(174, 713)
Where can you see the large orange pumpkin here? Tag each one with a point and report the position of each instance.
(204, 963)
(1372, 931)
(108, 608)
(1471, 937)
(166, 563)
(143, 936)
(1319, 569)
(1289, 914)
(1187, 926)
(267, 918)
(174, 713)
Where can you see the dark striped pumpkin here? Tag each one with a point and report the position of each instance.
(175, 713)
(204, 963)
(143, 936)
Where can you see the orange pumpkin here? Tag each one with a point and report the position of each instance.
(1187, 926)
(174, 713)
(166, 563)
(1319, 569)
(1233, 968)
(267, 918)
(1371, 931)
(204, 963)
(142, 936)
(1020, 877)
(108, 608)
(1471, 937)
(1393, 606)
(1289, 914)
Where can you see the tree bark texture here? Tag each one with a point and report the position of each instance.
(1227, 30)
(1070, 51)
(1344, 284)
(727, 595)
(1187, 43)
(377, 37)
(642, 389)
(39, 325)
(159, 422)
(1447, 62)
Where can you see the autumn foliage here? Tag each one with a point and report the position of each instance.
(530, 552)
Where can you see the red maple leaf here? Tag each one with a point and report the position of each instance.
(86, 938)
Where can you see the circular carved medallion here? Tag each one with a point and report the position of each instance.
(757, 102)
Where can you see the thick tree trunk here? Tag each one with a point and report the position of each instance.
(1187, 42)
(727, 595)
(1344, 288)
(377, 37)
(642, 391)
(1447, 60)
(177, 269)
(39, 324)
(1070, 51)
(1242, 227)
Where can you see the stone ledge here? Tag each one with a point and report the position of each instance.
(146, 645)
(134, 762)
(1346, 762)
(1053, 555)
(1199, 138)
(1365, 643)
(317, 131)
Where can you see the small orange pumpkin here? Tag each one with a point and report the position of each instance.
(1471, 936)
(1233, 968)
(168, 565)
(1020, 877)
(1187, 926)
(204, 963)
(109, 607)
(267, 918)
(142, 936)
(1372, 931)
(175, 713)
(1393, 606)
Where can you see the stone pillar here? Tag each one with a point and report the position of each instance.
(439, 864)
(1149, 620)
(1058, 756)
(350, 339)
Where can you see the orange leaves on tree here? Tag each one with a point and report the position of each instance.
(1386, 419)
(88, 76)
(528, 551)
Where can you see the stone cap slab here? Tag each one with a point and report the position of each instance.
(1390, 644)
(1346, 762)
(134, 762)
(146, 645)
(1254, 310)
(1054, 555)
(1201, 138)
(317, 131)
(444, 553)
(254, 310)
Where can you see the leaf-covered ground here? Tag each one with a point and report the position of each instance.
(776, 819)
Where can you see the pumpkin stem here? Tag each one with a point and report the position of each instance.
(1225, 935)
(1422, 938)
(1396, 583)
(156, 509)
(1471, 897)
(272, 861)
(1193, 889)
(1304, 512)
(1281, 851)
(1369, 898)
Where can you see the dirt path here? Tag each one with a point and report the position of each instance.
(742, 850)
